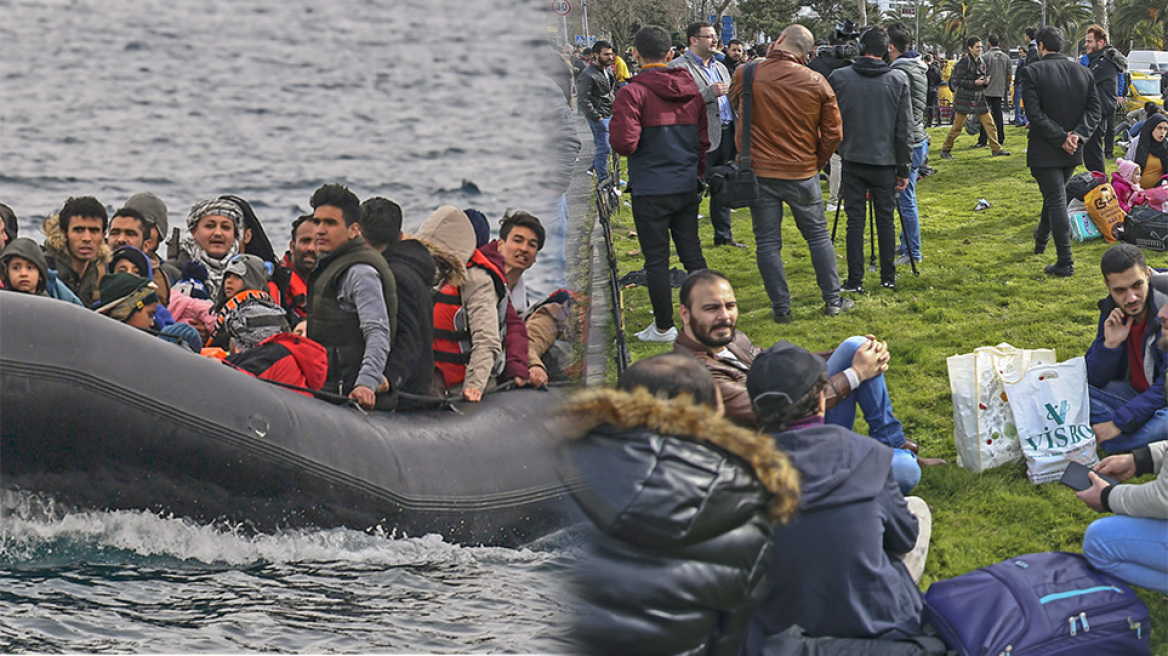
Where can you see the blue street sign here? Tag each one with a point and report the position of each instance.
(580, 40)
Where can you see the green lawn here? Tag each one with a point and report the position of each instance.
(979, 284)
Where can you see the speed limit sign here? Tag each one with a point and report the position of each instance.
(561, 7)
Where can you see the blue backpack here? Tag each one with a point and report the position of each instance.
(1043, 604)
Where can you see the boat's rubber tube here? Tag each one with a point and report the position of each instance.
(101, 415)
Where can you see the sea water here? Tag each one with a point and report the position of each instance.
(266, 99)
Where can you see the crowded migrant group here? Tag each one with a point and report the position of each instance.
(735, 509)
(354, 308)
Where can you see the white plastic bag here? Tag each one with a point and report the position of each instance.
(1052, 411)
(984, 431)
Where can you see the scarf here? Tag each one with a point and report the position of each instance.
(1148, 145)
(216, 266)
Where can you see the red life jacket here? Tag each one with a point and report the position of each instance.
(295, 296)
(451, 331)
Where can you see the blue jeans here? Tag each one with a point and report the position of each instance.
(873, 399)
(1133, 549)
(806, 201)
(910, 222)
(600, 141)
(1113, 396)
(1019, 115)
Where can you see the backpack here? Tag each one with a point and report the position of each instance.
(1043, 604)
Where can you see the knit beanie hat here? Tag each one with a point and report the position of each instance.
(251, 268)
(135, 256)
(123, 294)
(253, 321)
(219, 207)
(1128, 170)
(482, 227)
(152, 208)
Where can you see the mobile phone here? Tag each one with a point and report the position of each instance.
(1075, 477)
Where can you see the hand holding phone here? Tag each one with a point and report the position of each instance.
(1075, 477)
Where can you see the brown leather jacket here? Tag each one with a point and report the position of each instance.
(795, 121)
(731, 376)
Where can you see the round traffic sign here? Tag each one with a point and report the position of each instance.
(561, 7)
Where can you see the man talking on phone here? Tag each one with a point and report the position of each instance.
(1125, 369)
(1131, 544)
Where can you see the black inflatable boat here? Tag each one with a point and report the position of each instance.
(100, 415)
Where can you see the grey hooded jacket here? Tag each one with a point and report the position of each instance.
(918, 86)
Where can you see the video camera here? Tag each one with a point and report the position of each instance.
(843, 40)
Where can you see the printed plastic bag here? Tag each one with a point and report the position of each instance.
(1104, 209)
(1082, 227)
(984, 431)
(1052, 412)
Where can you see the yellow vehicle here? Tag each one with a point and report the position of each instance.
(1142, 88)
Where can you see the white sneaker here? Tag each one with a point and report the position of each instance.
(831, 207)
(651, 334)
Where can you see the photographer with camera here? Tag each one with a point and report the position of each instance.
(841, 53)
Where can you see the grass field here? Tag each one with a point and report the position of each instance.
(979, 284)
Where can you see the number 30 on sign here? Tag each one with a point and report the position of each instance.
(561, 7)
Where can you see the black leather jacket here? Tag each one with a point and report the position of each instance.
(679, 541)
(595, 93)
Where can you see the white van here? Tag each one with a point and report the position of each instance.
(1154, 61)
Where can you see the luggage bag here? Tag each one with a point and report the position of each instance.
(1043, 604)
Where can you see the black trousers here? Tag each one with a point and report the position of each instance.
(995, 103)
(1052, 182)
(1093, 157)
(932, 107)
(857, 182)
(723, 154)
(656, 218)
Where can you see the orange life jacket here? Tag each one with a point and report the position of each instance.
(451, 331)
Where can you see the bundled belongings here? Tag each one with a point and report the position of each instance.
(1052, 413)
(984, 429)
(1104, 209)
(1080, 184)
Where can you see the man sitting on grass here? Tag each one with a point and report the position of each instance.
(846, 565)
(709, 317)
(1125, 370)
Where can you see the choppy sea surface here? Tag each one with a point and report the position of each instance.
(267, 99)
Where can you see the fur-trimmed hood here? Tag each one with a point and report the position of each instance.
(55, 241)
(680, 419)
(450, 268)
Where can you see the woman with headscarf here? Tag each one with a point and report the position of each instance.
(1151, 151)
(215, 230)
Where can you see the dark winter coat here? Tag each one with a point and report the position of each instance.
(680, 503)
(835, 570)
(1105, 73)
(918, 85)
(1059, 96)
(410, 365)
(659, 122)
(877, 111)
(968, 95)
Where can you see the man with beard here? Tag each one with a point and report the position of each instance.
(735, 55)
(1102, 59)
(74, 250)
(1125, 370)
(299, 261)
(709, 318)
(1131, 544)
(595, 90)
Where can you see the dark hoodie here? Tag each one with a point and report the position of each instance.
(834, 572)
(876, 108)
(29, 250)
(659, 122)
(410, 366)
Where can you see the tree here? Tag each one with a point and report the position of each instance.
(953, 16)
(767, 17)
(1068, 15)
(1141, 24)
(996, 17)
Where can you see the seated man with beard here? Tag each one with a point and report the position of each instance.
(709, 316)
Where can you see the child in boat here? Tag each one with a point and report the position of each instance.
(23, 268)
(133, 300)
(246, 277)
(262, 346)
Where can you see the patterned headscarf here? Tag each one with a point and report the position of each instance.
(215, 265)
